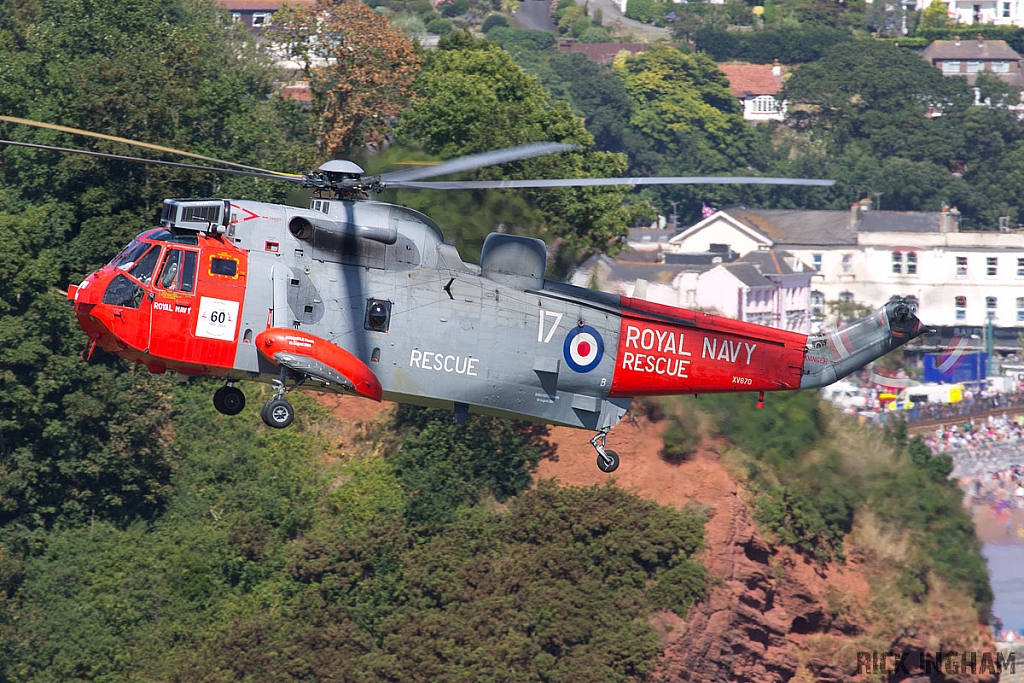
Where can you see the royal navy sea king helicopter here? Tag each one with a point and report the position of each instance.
(358, 296)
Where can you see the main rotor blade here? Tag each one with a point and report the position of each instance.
(468, 163)
(113, 138)
(287, 177)
(590, 182)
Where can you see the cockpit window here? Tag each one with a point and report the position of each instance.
(169, 273)
(123, 292)
(179, 270)
(126, 259)
(176, 236)
(143, 268)
(223, 266)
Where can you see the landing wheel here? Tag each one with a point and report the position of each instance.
(277, 413)
(608, 461)
(229, 400)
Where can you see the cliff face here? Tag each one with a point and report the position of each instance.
(770, 615)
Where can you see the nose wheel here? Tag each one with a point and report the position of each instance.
(277, 413)
(607, 459)
(229, 400)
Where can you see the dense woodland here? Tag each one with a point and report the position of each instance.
(145, 536)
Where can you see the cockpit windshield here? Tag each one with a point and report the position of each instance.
(143, 268)
(126, 259)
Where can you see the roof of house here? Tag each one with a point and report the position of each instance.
(749, 275)
(656, 273)
(792, 226)
(979, 50)
(832, 228)
(900, 221)
(771, 262)
(649, 235)
(751, 80)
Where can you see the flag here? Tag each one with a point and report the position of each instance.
(706, 210)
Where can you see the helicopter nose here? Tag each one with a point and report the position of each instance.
(87, 301)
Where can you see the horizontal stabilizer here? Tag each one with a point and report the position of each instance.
(316, 358)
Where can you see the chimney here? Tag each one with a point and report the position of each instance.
(950, 220)
(854, 216)
(956, 40)
(981, 40)
(776, 69)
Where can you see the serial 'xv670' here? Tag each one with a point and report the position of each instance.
(363, 297)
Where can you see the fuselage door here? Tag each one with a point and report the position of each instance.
(174, 290)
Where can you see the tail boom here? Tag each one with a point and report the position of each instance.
(664, 350)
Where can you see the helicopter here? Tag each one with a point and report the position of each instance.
(357, 296)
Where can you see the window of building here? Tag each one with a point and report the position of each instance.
(818, 304)
(847, 263)
(911, 263)
(765, 104)
(950, 66)
(991, 265)
(816, 258)
(846, 297)
(975, 67)
(1020, 267)
(990, 307)
(961, 307)
(1020, 309)
(261, 19)
(999, 67)
(897, 262)
(961, 265)
(1006, 13)
(236, 16)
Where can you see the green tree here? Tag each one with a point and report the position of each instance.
(936, 15)
(471, 97)
(77, 438)
(359, 67)
(880, 98)
(683, 102)
(445, 466)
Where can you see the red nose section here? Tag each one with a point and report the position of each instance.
(318, 357)
(99, 321)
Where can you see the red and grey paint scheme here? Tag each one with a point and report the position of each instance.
(366, 298)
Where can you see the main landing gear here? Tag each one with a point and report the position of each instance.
(277, 412)
(607, 459)
(229, 400)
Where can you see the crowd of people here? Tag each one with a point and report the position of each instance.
(981, 445)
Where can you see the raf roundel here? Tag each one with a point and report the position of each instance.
(583, 348)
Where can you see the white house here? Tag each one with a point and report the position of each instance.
(997, 12)
(757, 87)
